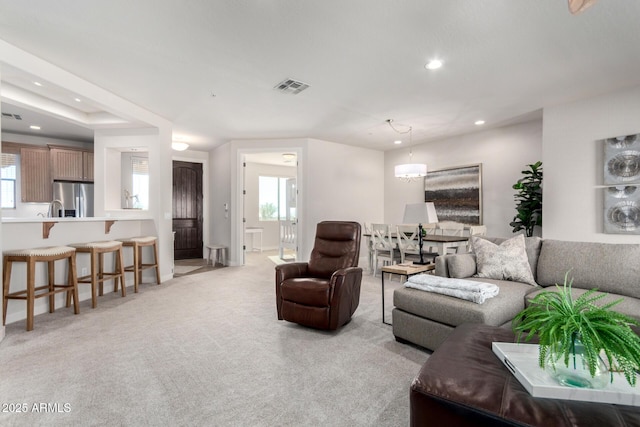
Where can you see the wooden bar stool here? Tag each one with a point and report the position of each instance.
(98, 276)
(137, 243)
(31, 256)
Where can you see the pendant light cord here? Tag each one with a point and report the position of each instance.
(409, 131)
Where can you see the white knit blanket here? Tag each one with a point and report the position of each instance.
(469, 290)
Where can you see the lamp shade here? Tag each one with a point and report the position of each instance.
(420, 213)
(411, 170)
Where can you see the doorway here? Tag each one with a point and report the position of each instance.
(187, 210)
(269, 202)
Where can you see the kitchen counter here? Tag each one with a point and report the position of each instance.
(75, 219)
(96, 223)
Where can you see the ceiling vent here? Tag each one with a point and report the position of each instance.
(11, 116)
(291, 86)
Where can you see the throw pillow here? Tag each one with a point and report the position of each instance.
(461, 265)
(506, 261)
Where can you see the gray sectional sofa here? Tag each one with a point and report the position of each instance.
(426, 318)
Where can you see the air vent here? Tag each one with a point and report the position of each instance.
(291, 86)
(12, 116)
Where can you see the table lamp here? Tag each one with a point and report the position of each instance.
(420, 213)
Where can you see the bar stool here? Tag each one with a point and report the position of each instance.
(32, 256)
(137, 243)
(98, 276)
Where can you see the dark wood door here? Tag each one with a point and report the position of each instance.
(187, 210)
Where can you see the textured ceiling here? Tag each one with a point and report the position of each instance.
(364, 60)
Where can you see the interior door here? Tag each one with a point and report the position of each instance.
(187, 210)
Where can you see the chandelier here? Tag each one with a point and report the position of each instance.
(408, 171)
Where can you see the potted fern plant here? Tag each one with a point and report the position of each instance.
(573, 333)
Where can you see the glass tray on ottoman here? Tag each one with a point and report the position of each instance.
(522, 361)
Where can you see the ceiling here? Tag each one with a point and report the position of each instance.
(211, 67)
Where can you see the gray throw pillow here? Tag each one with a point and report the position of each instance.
(461, 265)
(506, 261)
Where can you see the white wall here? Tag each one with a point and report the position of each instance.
(271, 229)
(344, 183)
(504, 152)
(217, 217)
(336, 182)
(573, 163)
(107, 167)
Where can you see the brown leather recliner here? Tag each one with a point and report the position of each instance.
(324, 292)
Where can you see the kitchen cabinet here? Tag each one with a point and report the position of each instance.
(70, 164)
(35, 175)
(87, 165)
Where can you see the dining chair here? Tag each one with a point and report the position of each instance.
(450, 228)
(408, 244)
(366, 226)
(430, 229)
(384, 248)
(474, 230)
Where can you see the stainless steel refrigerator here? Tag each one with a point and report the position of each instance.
(76, 198)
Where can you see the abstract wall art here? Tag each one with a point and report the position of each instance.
(456, 193)
(622, 160)
(622, 209)
(622, 181)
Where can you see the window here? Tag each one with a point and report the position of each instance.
(140, 184)
(9, 172)
(272, 199)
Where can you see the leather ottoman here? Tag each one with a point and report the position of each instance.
(464, 384)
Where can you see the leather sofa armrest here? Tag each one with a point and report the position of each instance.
(344, 272)
(345, 294)
(291, 270)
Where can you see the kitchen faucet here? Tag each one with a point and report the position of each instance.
(51, 205)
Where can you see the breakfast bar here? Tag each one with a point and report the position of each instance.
(39, 232)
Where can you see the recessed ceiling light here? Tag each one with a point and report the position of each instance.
(37, 83)
(77, 99)
(34, 127)
(397, 142)
(479, 122)
(434, 64)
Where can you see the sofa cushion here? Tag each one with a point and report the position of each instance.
(628, 306)
(610, 267)
(454, 311)
(506, 261)
(461, 266)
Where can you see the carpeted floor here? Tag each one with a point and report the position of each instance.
(205, 349)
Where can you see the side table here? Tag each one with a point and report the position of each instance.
(402, 270)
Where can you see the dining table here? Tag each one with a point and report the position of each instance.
(441, 242)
